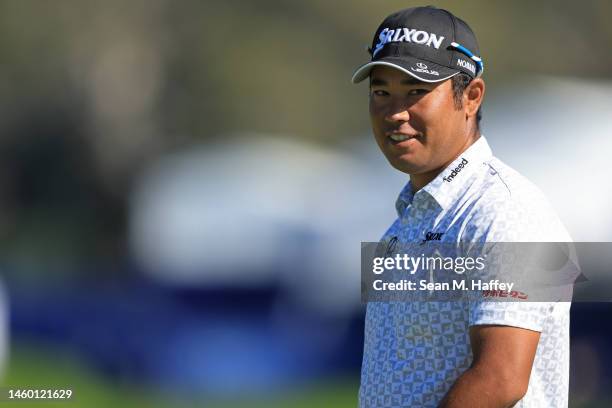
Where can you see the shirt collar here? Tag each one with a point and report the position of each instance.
(404, 199)
(452, 181)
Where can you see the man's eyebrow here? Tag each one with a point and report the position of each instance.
(405, 81)
(411, 81)
(377, 82)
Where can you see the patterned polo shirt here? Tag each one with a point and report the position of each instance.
(414, 351)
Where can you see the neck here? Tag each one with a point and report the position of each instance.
(418, 181)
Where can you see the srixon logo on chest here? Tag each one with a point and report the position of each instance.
(449, 177)
(432, 236)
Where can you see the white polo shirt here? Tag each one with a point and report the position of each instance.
(414, 351)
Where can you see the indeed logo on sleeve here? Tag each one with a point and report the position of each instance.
(448, 178)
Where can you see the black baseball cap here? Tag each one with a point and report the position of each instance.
(428, 43)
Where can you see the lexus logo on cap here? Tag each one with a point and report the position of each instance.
(420, 67)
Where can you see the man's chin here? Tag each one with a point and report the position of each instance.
(408, 167)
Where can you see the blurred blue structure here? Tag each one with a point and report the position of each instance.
(219, 342)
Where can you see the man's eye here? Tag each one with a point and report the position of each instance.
(417, 91)
(379, 92)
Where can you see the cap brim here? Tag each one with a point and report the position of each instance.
(431, 73)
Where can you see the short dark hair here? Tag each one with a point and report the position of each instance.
(460, 82)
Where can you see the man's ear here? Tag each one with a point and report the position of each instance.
(473, 96)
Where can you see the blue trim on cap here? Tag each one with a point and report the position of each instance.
(473, 57)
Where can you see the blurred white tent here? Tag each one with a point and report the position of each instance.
(558, 133)
(260, 210)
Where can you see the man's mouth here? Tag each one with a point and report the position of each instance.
(399, 137)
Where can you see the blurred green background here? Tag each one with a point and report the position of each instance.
(97, 96)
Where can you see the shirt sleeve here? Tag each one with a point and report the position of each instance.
(512, 221)
(527, 315)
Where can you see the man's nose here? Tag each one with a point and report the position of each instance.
(398, 112)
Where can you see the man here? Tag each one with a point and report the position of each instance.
(425, 96)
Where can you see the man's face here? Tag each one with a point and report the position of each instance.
(416, 124)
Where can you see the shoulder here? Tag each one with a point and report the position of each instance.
(511, 208)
